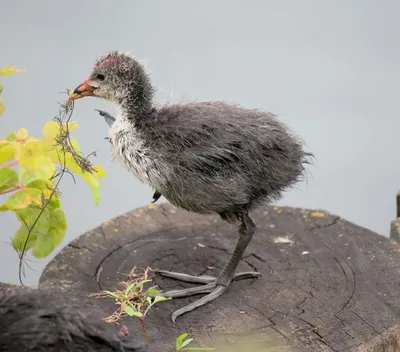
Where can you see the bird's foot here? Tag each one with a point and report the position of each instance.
(210, 285)
(108, 117)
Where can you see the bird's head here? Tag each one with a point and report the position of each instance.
(114, 77)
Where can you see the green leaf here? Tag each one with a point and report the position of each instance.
(122, 296)
(47, 188)
(91, 179)
(33, 159)
(12, 137)
(158, 299)
(22, 133)
(42, 199)
(148, 299)
(141, 283)
(44, 170)
(131, 312)
(152, 291)
(1, 88)
(8, 179)
(179, 341)
(22, 199)
(129, 288)
(186, 342)
(75, 144)
(2, 107)
(112, 294)
(46, 243)
(51, 132)
(20, 237)
(32, 220)
(10, 70)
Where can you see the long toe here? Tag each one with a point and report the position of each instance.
(204, 279)
(218, 291)
(186, 292)
(247, 275)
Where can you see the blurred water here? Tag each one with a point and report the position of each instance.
(330, 70)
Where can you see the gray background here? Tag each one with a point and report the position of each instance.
(329, 68)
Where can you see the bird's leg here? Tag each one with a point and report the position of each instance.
(215, 287)
(108, 117)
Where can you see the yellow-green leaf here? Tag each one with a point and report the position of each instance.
(20, 237)
(7, 151)
(8, 179)
(47, 187)
(34, 222)
(10, 70)
(22, 199)
(12, 137)
(132, 313)
(22, 133)
(90, 178)
(1, 88)
(75, 144)
(31, 155)
(52, 129)
(46, 243)
(44, 170)
(96, 193)
(99, 171)
(73, 125)
(58, 226)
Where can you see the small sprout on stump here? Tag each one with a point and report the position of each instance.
(134, 299)
(181, 343)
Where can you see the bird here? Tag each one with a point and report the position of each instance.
(207, 157)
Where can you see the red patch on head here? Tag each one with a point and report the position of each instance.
(108, 62)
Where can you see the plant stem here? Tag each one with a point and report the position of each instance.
(12, 189)
(13, 163)
(144, 329)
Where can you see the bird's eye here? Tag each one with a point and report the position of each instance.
(100, 77)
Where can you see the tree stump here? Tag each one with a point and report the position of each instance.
(6, 286)
(326, 285)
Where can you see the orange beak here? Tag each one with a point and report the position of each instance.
(83, 90)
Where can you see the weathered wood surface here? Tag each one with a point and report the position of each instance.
(327, 284)
(6, 286)
(395, 224)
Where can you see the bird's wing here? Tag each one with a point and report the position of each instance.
(195, 139)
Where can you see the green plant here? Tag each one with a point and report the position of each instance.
(134, 299)
(181, 343)
(142, 302)
(31, 170)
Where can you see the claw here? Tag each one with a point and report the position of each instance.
(156, 196)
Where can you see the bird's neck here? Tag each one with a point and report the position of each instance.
(137, 104)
